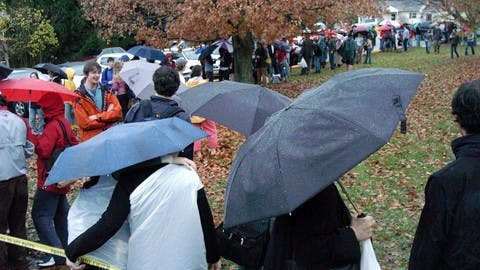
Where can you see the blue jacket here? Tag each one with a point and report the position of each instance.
(107, 76)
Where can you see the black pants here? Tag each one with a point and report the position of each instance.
(453, 49)
(13, 208)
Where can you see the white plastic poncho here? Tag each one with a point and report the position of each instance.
(87, 210)
(166, 231)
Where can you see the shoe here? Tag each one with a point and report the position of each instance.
(46, 262)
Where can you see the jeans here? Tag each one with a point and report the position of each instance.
(470, 44)
(405, 45)
(285, 67)
(49, 214)
(331, 59)
(13, 208)
(427, 46)
(69, 114)
(318, 65)
(382, 45)
(32, 120)
(368, 57)
(418, 38)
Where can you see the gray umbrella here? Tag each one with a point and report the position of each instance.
(306, 146)
(242, 107)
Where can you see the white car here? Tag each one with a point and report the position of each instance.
(102, 60)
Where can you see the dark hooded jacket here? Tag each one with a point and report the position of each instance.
(316, 235)
(51, 138)
(448, 235)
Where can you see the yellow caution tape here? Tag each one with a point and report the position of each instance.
(53, 250)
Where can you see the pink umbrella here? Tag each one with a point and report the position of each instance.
(27, 89)
(384, 28)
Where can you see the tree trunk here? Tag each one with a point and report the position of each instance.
(242, 58)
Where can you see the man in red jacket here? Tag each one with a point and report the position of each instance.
(50, 205)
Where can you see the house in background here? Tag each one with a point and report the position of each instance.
(412, 11)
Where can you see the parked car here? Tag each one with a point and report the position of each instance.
(102, 60)
(192, 60)
(112, 50)
(78, 67)
(21, 108)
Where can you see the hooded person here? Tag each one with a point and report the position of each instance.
(50, 205)
(70, 85)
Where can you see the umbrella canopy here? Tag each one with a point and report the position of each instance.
(306, 146)
(27, 89)
(225, 43)
(242, 107)
(46, 67)
(208, 51)
(123, 145)
(426, 25)
(148, 52)
(138, 75)
(361, 28)
(384, 28)
(385, 22)
(4, 71)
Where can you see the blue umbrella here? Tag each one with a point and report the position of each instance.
(122, 146)
(148, 52)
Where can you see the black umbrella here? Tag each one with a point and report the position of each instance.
(242, 107)
(309, 144)
(46, 67)
(4, 71)
(148, 53)
(208, 51)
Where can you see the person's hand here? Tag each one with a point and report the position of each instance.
(93, 117)
(215, 266)
(363, 227)
(74, 266)
(185, 162)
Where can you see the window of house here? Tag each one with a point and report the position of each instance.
(413, 15)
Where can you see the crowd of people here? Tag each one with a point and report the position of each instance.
(445, 238)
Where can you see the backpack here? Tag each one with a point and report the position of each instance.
(57, 151)
(148, 114)
(316, 50)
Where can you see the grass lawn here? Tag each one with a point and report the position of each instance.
(389, 184)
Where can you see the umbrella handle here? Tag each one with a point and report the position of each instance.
(349, 198)
(397, 102)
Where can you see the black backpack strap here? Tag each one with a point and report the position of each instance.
(148, 114)
(65, 136)
(171, 112)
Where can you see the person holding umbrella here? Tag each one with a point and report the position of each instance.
(447, 234)
(97, 108)
(50, 205)
(166, 82)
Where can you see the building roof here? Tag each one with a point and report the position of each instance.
(406, 5)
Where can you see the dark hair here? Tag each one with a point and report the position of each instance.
(466, 106)
(34, 73)
(3, 100)
(166, 81)
(110, 59)
(196, 71)
(91, 65)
